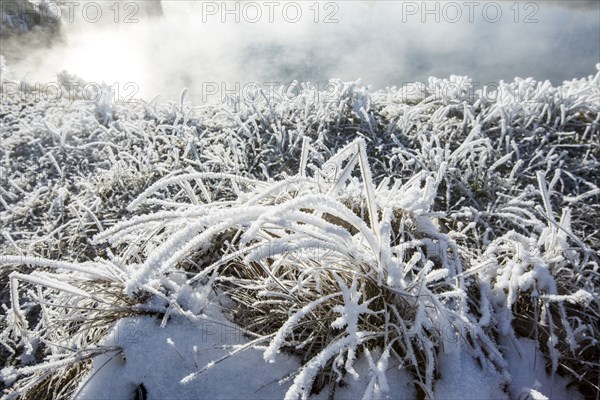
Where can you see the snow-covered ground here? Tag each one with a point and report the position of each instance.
(183, 347)
(433, 240)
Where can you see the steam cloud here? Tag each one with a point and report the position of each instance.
(376, 41)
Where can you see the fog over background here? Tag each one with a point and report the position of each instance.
(376, 41)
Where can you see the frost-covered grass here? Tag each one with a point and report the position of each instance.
(339, 228)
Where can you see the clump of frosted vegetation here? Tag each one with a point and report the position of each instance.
(328, 226)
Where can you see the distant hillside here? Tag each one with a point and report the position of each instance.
(18, 17)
